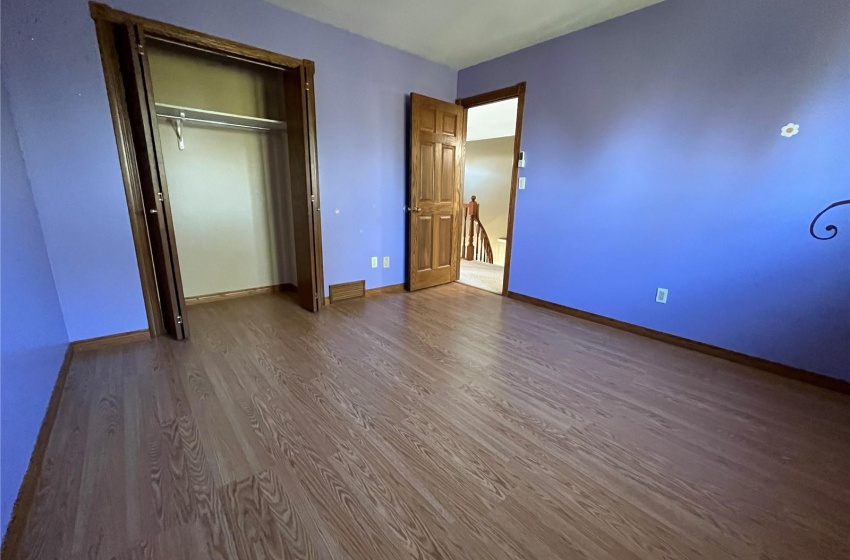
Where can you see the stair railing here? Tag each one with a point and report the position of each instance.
(475, 241)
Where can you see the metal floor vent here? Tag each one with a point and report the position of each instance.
(347, 290)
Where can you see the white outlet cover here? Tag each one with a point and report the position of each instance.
(521, 183)
(661, 295)
(374, 262)
(386, 262)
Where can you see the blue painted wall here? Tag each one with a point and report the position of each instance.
(33, 332)
(655, 160)
(59, 101)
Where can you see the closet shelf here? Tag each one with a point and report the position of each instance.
(215, 118)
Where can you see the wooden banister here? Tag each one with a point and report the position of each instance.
(475, 241)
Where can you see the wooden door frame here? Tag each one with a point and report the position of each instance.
(105, 18)
(502, 94)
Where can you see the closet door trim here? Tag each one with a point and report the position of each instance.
(318, 267)
(129, 170)
(154, 28)
(177, 324)
(304, 181)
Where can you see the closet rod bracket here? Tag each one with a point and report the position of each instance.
(178, 127)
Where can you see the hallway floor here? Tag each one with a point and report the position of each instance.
(482, 275)
(447, 423)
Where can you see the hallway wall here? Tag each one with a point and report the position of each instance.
(487, 175)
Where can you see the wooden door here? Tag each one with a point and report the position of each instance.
(299, 98)
(130, 44)
(436, 174)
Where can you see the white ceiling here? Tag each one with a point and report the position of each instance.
(494, 120)
(461, 33)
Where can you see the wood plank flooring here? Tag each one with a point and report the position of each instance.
(449, 423)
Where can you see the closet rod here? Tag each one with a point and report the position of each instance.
(206, 121)
(216, 53)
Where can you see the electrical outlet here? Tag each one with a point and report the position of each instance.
(521, 183)
(374, 262)
(386, 262)
(661, 295)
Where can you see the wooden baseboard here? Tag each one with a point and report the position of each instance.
(26, 493)
(110, 340)
(798, 374)
(240, 293)
(383, 290)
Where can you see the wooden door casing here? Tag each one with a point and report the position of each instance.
(304, 188)
(517, 91)
(436, 169)
(163, 199)
(154, 191)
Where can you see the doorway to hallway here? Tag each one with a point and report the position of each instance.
(489, 176)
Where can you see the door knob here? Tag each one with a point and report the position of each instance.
(414, 209)
(152, 211)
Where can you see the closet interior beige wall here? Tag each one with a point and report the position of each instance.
(228, 187)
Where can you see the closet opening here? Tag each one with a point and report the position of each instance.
(217, 143)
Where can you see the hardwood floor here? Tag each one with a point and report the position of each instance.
(447, 423)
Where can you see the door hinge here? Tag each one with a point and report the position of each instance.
(180, 319)
(160, 197)
(141, 48)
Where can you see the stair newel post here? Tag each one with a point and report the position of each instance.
(469, 217)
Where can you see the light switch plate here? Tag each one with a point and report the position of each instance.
(374, 262)
(386, 262)
(521, 183)
(661, 295)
